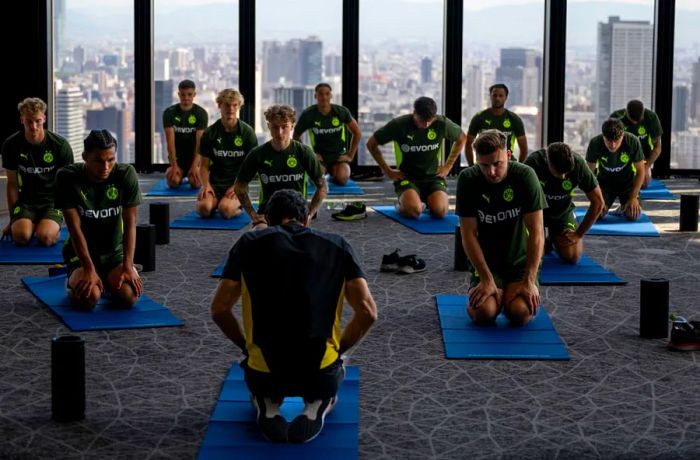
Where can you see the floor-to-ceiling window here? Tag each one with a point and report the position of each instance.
(93, 67)
(609, 61)
(503, 44)
(685, 122)
(194, 40)
(401, 47)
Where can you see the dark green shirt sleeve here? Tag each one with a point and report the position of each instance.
(205, 145)
(167, 118)
(592, 151)
(518, 127)
(302, 123)
(250, 139)
(636, 154)
(311, 165)
(386, 133)
(202, 119)
(345, 115)
(655, 129)
(65, 154)
(586, 179)
(452, 130)
(249, 167)
(474, 125)
(132, 195)
(534, 198)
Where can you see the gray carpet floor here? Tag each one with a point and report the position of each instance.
(151, 392)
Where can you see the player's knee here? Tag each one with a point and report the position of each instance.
(517, 312)
(47, 238)
(341, 178)
(21, 237)
(229, 211)
(411, 210)
(204, 208)
(439, 211)
(486, 313)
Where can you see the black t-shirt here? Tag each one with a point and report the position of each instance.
(293, 283)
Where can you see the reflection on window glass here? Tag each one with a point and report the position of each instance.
(400, 60)
(511, 56)
(297, 48)
(609, 61)
(93, 59)
(195, 40)
(685, 122)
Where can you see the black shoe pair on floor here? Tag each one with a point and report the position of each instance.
(303, 428)
(402, 265)
(353, 211)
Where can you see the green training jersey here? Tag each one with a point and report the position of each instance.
(328, 133)
(226, 151)
(615, 171)
(509, 123)
(100, 206)
(36, 165)
(499, 209)
(646, 131)
(418, 151)
(287, 169)
(185, 124)
(560, 192)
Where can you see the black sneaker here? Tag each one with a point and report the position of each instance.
(303, 428)
(272, 428)
(390, 262)
(685, 335)
(410, 264)
(353, 211)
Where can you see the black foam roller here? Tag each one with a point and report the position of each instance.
(689, 213)
(145, 253)
(653, 308)
(68, 378)
(159, 215)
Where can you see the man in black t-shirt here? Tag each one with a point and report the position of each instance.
(292, 281)
(99, 199)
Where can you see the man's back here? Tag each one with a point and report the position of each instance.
(293, 281)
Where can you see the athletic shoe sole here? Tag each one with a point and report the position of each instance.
(408, 270)
(349, 218)
(301, 426)
(687, 346)
(388, 268)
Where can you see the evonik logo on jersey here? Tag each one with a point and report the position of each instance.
(100, 213)
(499, 216)
(405, 148)
(184, 129)
(558, 197)
(36, 169)
(229, 153)
(277, 178)
(613, 170)
(326, 130)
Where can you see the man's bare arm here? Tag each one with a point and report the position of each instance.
(227, 294)
(360, 299)
(522, 144)
(319, 195)
(535, 244)
(468, 150)
(595, 207)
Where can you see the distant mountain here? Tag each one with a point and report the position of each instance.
(395, 20)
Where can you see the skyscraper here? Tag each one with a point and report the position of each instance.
(695, 91)
(426, 70)
(297, 96)
(163, 99)
(474, 86)
(296, 62)
(69, 118)
(679, 118)
(59, 26)
(519, 71)
(115, 120)
(624, 64)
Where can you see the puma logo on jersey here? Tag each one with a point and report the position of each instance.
(177, 119)
(23, 155)
(488, 122)
(268, 162)
(317, 123)
(488, 200)
(410, 136)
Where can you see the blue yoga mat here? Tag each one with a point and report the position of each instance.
(656, 191)
(51, 291)
(424, 224)
(350, 188)
(192, 220)
(34, 253)
(161, 188)
(555, 272)
(463, 339)
(233, 432)
(219, 270)
(613, 225)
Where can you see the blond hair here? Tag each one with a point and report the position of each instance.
(229, 95)
(31, 106)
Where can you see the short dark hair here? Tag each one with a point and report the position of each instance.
(489, 141)
(497, 86)
(613, 129)
(560, 157)
(322, 85)
(425, 108)
(635, 110)
(285, 204)
(186, 84)
(99, 139)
